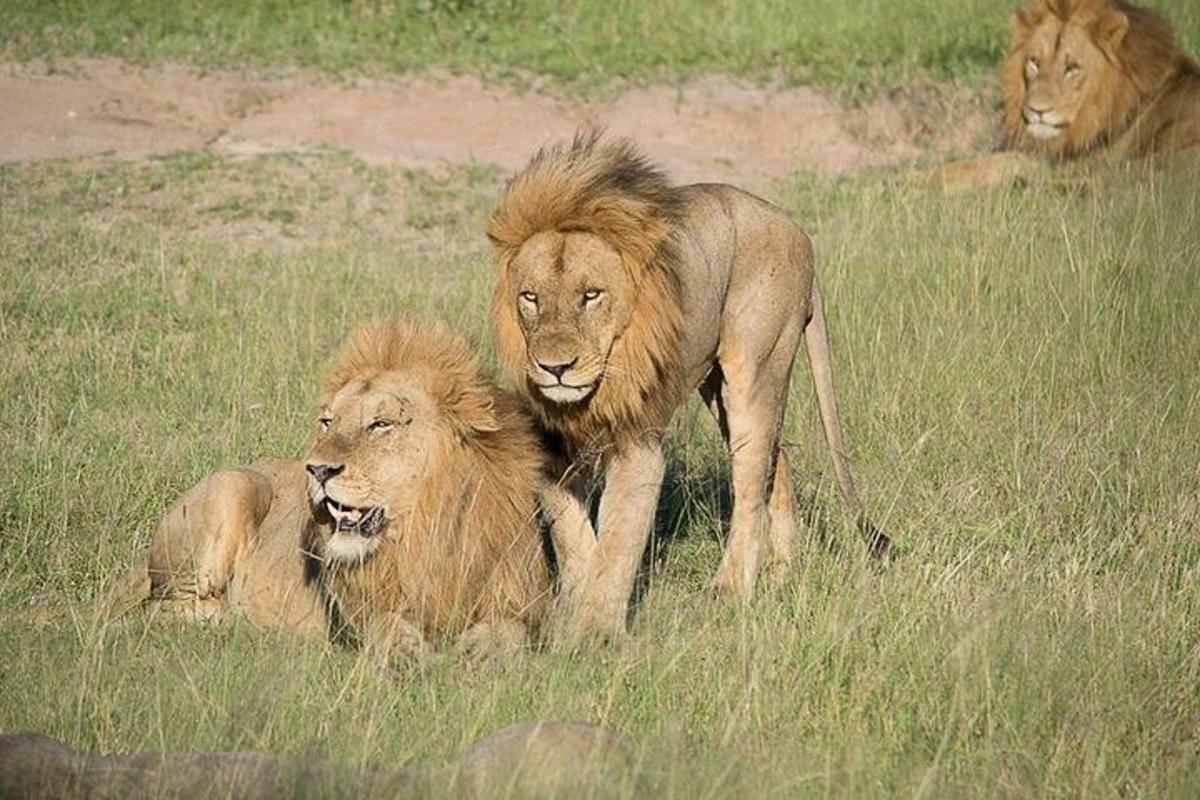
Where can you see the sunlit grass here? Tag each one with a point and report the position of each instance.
(852, 46)
(1017, 372)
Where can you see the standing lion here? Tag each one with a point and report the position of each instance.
(1089, 79)
(410, 521)
(616, 295)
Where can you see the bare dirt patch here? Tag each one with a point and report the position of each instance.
(712, 129)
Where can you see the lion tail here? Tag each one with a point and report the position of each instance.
(816, 343)
(130, 590)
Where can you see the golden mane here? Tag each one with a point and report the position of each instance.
(1144, 60)
(469, 550)
(608, 189)
(426, 346)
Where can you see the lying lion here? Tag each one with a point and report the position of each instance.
(411, 520)
(1088, 80)
(616, 295)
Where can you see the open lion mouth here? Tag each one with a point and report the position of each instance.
(348, 519)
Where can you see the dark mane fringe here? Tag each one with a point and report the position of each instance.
(607, 188)
(592, 184)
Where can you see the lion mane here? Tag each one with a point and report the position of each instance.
(608, 189)
(1154, 85)
(468, 552)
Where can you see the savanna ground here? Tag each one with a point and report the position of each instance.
(1016, 369)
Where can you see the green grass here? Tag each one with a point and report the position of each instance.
(1017, 374)
(851, 46)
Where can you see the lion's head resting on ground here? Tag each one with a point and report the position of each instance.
(586, 309)
(421, 463)
(1077, 71)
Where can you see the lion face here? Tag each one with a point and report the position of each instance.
(572, 294)
(1061, 78)
(1063, 69)
(375, 441)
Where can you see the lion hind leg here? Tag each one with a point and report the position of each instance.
(237, 503)
(750, 521)
(750, 408)
(192, 609)
(782, 509)
(198, 541)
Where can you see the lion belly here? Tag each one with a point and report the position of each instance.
(746, 278)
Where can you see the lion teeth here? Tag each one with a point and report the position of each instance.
(343, 513)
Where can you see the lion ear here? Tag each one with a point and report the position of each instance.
(1019, 26)
(1110, 28)
(1022, 23)
(475, 412)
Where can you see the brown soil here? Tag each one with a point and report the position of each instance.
(713, 129)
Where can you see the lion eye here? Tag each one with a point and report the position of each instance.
(324, 423)
(380, 426)
(1070, 69)
(529, 297)
(591, 296)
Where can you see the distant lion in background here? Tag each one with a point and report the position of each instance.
(1088, 80)
(412, 520)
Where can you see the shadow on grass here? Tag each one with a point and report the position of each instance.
(698, 501)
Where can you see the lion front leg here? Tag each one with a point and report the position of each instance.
(631, 486)
(572, 535)
(994, 169)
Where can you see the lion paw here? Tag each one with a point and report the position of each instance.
(486, 639)
(577, 626)
(735, 582)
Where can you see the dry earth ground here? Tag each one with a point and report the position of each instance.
(712, 129)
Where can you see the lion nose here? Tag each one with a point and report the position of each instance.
(323, 472)
(557, 370)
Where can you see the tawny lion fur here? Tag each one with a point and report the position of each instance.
(614, 195)
(466, 559)
(618, 293)
(458, 555)
(1109, 76)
